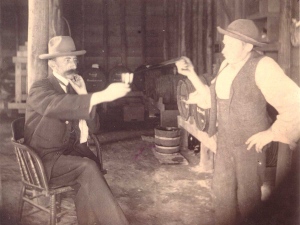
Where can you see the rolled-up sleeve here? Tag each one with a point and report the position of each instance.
(284, 95)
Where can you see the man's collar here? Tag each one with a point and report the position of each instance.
(61, 79)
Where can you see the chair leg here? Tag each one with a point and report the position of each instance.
(58, 206)
(21, 204)
(52, 210)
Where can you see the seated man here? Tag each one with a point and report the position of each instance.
(59, 115)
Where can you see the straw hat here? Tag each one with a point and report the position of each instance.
(244, 30)
(61, 46)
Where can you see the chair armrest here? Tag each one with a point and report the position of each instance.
(98, 151)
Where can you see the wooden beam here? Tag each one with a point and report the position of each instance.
(1, 52)
(179, 25)
(82, 28)
(195, 33)
(17, 24)
(183, 29)
(238, 9)
(209, 39)
(165, 30)
(56, 27)
(143, 30)
(226, 10)
(284, 54)
(123, 32)
(105, 33)
(284, 58)
(176, 27)
(38, 33)
(200, 60)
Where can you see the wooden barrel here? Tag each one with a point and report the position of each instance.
(115, 74)
(169, 132)
(95, 78)
(167, 139)
(167, 150)
(184, 88)
(201, 117)
(166, 87)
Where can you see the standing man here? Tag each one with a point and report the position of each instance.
(59, 116)
(238, 98)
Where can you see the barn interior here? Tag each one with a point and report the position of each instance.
(155, 183)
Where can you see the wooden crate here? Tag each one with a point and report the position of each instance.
(134, 112)
(20, 61)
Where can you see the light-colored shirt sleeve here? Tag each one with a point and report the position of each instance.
(284, 95)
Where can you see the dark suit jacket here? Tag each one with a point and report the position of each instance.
(50, 113)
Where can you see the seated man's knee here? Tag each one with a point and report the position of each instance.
(89, 164)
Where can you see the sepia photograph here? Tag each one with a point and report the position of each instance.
(149, 112)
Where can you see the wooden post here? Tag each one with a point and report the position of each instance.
(176, 27)
(105, 33)
(165, 30)
(200, 61)
(238, 9)
(284, 54)
(38, 33)
(209, 44)
(227, 10)
(188, 16)
(56, 27)
(1, 52)
(184, 141)
(179, 19)
(82, 28)
(195, 33)
(123, 32)
(143, 30)
(284, 58)
(183, 25)
(17, 24)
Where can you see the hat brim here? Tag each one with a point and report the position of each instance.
(241, 37)
(58, 54)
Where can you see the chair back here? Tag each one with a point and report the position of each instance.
(30, 164)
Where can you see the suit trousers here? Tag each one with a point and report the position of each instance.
(94, 201)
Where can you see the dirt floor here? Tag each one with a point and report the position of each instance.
(149, 193)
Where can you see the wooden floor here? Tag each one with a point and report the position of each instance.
(149, 193)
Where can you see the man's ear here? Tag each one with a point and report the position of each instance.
(248, 47)
(51, 64)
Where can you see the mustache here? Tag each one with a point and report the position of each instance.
(70, 72)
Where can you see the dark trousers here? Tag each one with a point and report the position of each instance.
(238, 174)
(237, 184)
(95, 203)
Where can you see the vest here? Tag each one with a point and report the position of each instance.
(247, 105)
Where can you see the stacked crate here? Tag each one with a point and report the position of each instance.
(20, 62)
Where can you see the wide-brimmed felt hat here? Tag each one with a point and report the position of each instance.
(61, 46)
(244, 30)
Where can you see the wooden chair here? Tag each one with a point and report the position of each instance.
(33, 175)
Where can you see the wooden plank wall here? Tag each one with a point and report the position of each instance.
(136, 32)
(14, 26)
(114, 32)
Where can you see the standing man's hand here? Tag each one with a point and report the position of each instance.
(78, 85)
(185, 67)
(115, 91)
(260, 140)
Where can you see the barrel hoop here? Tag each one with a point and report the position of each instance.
(166, 138)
